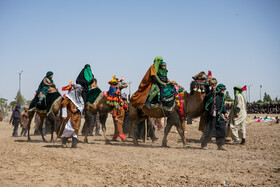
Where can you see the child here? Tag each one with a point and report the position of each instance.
(159, 83)
(162, 75)
(24, 121)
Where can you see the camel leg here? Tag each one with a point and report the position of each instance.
(41, 128)
(31, 115)
(133, 116)
(133, 133)
(51, 118)
(88, 120)
(180, 130)
(102, 119)
(167, 129)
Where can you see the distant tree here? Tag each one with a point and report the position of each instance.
(19, 99)
(228, 98)
(13, 104)
(259, 101)
(3, 100)
(276, 100)
(267, 98)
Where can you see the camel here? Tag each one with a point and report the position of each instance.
(193, 107)
(51, 116)
(102, 107)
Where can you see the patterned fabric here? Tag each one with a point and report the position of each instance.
(93, 94)
(47, 103)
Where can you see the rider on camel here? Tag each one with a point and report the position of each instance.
(46, 86)
(159, 83)
(148, 84)
(85, 79)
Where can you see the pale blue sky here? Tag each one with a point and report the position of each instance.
(237, 40)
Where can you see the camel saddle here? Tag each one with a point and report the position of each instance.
(167, 101)
(46, 103)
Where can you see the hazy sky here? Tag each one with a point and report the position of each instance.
(239, 41)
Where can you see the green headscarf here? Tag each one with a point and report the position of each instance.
(49, 73)
(237, 90)
(157, 61)
(43, 88)
(162, 72)
(87, 73)
(219, 88)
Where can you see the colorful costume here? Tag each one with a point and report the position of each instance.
(113, 93)
(158, 83)
(238, 119)
(215, 122)
(118, 117)
(72, 108)
(114, 98)
(139, 97)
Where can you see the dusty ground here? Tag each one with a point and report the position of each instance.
(95, 164)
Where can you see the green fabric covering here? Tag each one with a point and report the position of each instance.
(180, 90)
(237, 90)
(157, 61)
(168, 91)
(42, 88)
(93, 95)
(157, 80)
(162, 72)
(153, 92)
(167, 102)
(88, 74)
(49, 73)
(218, 90)
(220, 87)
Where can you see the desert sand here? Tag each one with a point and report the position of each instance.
(37, 163)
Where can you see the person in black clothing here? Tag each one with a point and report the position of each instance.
(216, 114)
(15, 120)
(85, 79)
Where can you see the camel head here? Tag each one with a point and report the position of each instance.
(194, 105)
(122, 85)
(202, 82)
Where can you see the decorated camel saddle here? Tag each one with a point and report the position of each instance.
(46, 104)
(94, 95)
(168, 99)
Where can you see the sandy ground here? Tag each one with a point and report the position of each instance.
(37, 163)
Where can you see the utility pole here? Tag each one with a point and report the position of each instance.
(20, 80)
(129, 83)
(249, 91)
(260, 92)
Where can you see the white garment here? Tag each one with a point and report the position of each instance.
(238, 125)
(76, 97)
(238, 131)
(68, 130)
(242, 114)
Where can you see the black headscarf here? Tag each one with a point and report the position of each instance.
(81, 79)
